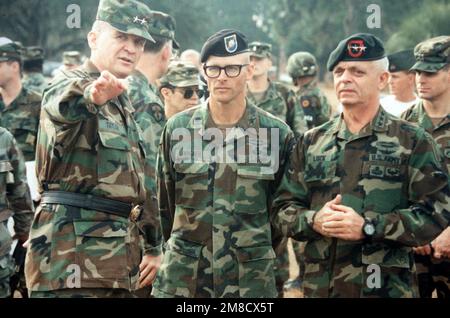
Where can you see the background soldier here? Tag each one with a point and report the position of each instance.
(347, 191)
(179, 88)
(433, 114)
(84, 241)
(402, 83)
(303, 68)
(273, 97)
(215, 213)
(33, 62)
(15, 201)
(149, 113)
(71, 60)
(19, 107)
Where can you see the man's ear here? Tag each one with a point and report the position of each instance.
(92, 40)
(250, 71)
(165, 92)
(384, 77)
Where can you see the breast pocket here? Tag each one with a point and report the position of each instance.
(383, 186)
(252, 186)
(114, 159)
(320, 177)
(191, 185)
(25, 131)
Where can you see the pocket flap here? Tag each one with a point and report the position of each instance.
(191, 168)
(100, 228)
(248, 254)
(5, 165)
(388, 257)
(256, 172)
(184, 247)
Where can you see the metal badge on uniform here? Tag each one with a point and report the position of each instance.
(356, 48)
(231, 44)
(305, 103)
(135, 213)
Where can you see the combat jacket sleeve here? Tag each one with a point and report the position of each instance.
(67, 100)
(428, 187)
(292, 213)
(18, 193)
(165, 185)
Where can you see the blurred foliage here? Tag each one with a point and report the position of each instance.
(289, 25)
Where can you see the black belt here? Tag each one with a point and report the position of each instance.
(87, 201)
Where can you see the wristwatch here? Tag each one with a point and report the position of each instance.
(368, 228)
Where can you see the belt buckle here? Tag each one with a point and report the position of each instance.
(135, 213)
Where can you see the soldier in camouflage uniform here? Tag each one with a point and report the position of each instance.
(215, 213)
(179, 88)
(19, 107)
(273, 97)
(149, 107)
(303, 68)
(15, 201)
(33, 61)
(84, 241)
(432, 113)
(362, 192)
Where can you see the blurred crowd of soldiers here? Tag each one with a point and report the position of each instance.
(106, 205)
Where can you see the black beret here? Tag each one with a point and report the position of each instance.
(226, 42)
(358, 47)
(401, 61)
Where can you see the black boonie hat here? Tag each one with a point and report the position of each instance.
(401, 61)
(358, 47)
(226, 42)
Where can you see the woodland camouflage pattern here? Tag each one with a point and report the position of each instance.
(216, 216)
(87, 149)
(280, 101)
(149, 115)
(441, 134)
(391, 172)
(21, 118)
(15, 201)
(316, 108)
(432, 55)
(34, 82)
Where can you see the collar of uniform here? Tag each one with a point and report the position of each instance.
(91, 69)
(309, 86)
(20, 99)
(378, 124)
(269, 94)
(140, 77)
(425, 121)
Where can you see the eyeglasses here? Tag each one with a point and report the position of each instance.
(189, 92)
(214, 71)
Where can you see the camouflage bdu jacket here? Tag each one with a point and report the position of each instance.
(21, 118)
(390, 172)
(150, 117)
(316, 108)
(15, 197)
(280, 101)
(214, 214)
(87, 149)
(35, 82)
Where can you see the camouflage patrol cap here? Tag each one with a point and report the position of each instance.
(181, 74)
(302, 64)
(127, 16)
(432, 55)
(10, 51)
(33, 53)
(224, 43)
(260, 49)
(401, 61)
(72, 57)
(358, 47)
(164, 25)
